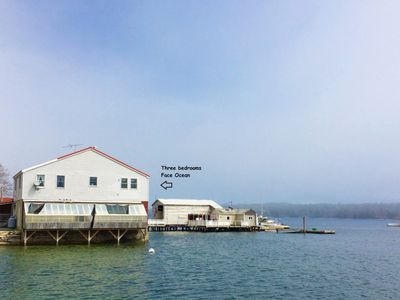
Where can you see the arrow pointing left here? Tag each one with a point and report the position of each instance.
(166, 185)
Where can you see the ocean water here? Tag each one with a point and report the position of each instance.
(362, 261)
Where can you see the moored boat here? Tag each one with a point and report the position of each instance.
(267, 224)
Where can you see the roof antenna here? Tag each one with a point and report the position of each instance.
(72, 146)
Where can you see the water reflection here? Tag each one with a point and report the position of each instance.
(361, 260)
(72, 271)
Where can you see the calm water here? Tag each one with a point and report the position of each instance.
(361, 261)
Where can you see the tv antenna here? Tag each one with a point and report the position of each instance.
(72, 146)
(229, 203)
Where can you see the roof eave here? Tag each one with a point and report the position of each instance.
(81, 151)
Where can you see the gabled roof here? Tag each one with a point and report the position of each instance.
(95, 150)
(193, 202)
(236, 211)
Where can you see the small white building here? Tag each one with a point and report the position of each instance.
(237, 217)
(86, 191)
(176, 212)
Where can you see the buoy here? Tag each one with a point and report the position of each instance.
(152, 251)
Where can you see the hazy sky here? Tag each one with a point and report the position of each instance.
(295, 101)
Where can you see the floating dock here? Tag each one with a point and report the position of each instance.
(304, 230)
(314, 231)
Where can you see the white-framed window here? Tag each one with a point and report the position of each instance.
(60, 181)
(40, 179)
(93, 181)
(124, 183)
(133, 183)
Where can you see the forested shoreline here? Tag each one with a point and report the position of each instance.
(325, 210)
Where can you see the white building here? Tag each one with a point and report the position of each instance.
(87, 190)
(206, 214)
(237, 217)
(176, 212)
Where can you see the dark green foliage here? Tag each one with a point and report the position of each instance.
(325, 210)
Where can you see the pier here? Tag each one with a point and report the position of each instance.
(202, 226)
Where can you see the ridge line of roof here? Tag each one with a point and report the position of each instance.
(189, 201)
(83, 150)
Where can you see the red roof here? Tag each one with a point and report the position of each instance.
(6, 200)
(105, 155)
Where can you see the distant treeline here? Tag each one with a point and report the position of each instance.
(324, 210)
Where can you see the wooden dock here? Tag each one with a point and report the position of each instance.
(304, 230)
(202, 228)
(316, 231)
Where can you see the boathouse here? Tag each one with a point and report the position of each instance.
(204, 215)
(176, 212)
(237, 217)
(85, 196)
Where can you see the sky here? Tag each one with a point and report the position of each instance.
(277, 101)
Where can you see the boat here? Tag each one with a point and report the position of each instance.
(267, 224)
(393, 225)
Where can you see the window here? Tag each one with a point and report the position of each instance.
(124, 183)
(161, 208)
(20, 182)
(60, 181)
(93, 181)
(133, 183)
(117, 209)
(34, 208)
(40, 180)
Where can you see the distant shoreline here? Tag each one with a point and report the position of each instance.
(325, 210)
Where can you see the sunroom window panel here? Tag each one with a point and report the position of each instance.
(88, 208)
(46, 210)
(137, 210)
(117, 209)
(69, 209)
(74, 209)
(101, 209)
(34, 208)
(61, 209)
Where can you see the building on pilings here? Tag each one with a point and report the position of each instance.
(193, 214)
(85, 196)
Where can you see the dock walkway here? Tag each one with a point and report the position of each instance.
(201, 225)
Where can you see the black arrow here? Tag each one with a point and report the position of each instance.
(166, 185)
